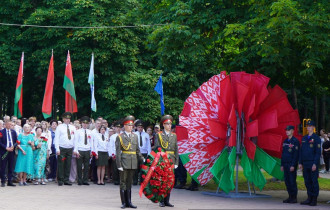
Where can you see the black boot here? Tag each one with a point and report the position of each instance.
(129, 194)
(123, 200)
(161, 203)
(293, 199)
(167, 201)
(180, 186)
(308, 201)
(314, 201)
(287, 200)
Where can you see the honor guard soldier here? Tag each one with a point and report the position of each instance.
(168, 141)
(310, 153)
(289, 163)
(64, 143)
(82, 150)
(127, 155)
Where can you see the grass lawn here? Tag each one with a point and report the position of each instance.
(270, 185)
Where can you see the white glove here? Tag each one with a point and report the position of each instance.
(121, 169)
(175, 166)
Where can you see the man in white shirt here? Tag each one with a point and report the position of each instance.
(115, 172)
(82, 150)
(94, 134)
(145, 147)
(64, 143)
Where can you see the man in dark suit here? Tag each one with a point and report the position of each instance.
(8, 138)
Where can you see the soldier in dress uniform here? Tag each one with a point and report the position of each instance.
(168, 141)
(127, 158)
(64, 143)
(310, 153)
(289, 163)
(82, 150)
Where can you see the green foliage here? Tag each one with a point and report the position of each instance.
(282, 39)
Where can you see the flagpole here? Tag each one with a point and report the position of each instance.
(53, 104)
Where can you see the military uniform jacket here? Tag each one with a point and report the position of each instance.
(310, 151)
(169, 143)
(127, 151)
(290, 152)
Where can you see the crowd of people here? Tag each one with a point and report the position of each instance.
(30, 150)
(75, 152)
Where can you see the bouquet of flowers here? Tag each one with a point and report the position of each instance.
(157, 176)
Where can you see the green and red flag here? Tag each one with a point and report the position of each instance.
(48, 97)
(18, 102)
(68, 85)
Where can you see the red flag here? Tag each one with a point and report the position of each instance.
(48, 97)
(68, 85)
(18, 101)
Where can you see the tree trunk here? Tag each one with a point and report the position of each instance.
(316, 112)
(294, 95)
(323, 111)
(2, 104)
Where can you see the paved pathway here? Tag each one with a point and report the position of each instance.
(96, 197)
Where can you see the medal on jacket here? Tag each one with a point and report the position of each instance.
(290, 150)
(311, 145)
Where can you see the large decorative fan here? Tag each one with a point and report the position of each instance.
(232, 117)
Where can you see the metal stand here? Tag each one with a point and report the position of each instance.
(240, 131)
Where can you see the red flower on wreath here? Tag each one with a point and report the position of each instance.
(158, 176)
(18, 142)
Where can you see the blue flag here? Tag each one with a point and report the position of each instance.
(159, 90)
(91, 82)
